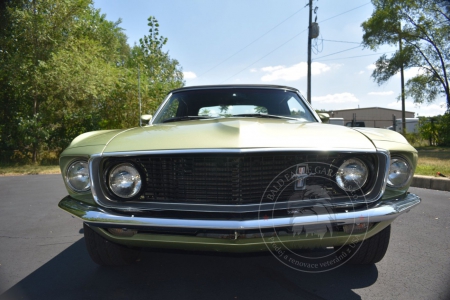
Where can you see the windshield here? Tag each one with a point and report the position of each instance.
(232, 103)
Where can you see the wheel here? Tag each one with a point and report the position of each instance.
(369, 251)
(106, 253)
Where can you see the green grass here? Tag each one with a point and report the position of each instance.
(28, 170)
(433, 160)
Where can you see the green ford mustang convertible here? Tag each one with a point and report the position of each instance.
(239, 168)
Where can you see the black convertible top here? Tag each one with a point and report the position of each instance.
(225, 86)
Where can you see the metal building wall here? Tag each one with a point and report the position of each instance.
(377, 117)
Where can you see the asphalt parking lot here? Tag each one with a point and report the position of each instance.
(43, 256)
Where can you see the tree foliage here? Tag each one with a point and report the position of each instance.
(423, 26)
(159, 72)
(435, 129)
(65, 69)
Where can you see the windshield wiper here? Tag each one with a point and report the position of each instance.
(263, 116)
(185, 118)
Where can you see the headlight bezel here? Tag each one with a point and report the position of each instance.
(107, 183)
(68, 177)
(405, 183)
(367, 179)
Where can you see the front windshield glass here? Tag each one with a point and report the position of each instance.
(232, 103)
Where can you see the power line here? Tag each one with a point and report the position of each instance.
(348, 57)
(283, 43)
(338, 52)
(344, 12)
(341, 41)
(257, 39)
(264, 56)
(317, 46)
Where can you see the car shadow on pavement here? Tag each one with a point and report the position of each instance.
(181, 275)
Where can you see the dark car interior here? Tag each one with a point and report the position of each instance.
(261, 101)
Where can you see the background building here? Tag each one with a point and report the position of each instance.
(378, 117)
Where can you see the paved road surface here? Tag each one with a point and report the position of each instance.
(43, 256)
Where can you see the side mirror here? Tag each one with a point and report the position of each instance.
(324, 117)
(145, 119)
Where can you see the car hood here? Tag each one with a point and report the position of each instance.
(237, 133)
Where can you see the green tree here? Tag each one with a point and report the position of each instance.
(260, 110)
(435, 129)
(423, 26)
(159, 73)
(65, 70)
(35, 30)
(59, 63)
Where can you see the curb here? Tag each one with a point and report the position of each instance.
(432, 183)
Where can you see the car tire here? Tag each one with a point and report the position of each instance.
(369, 251)
(106, 253)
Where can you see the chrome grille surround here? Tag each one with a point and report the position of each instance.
(234, 197)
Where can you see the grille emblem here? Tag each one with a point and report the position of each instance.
(301, 172)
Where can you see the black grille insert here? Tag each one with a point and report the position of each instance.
(237, 179)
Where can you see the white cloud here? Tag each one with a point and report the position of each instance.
(272, 69)
(294, 72)
(335, 66)
(423, 110)
(336, 98)
(409, 105)
(189, 75)
(361, 72)
(371, 67)
(381, 93)
(253, 70)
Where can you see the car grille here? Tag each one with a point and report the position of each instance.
(232, 179)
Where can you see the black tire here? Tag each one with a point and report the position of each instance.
(106, 253)
(369, 251)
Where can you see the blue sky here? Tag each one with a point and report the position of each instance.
(265, 42)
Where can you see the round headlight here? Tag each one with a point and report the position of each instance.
(125, 180)
(77, 176)
(352, 175)
(399, 172)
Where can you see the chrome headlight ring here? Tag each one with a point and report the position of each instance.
(124, 180)
(400, 171)
(352, 174)
(77, 176)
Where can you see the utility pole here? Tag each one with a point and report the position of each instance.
(402, 79)
(309, 52)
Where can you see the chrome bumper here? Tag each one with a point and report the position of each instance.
(384, 211)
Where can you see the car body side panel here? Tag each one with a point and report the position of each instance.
(380, 134)
(99, 137)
